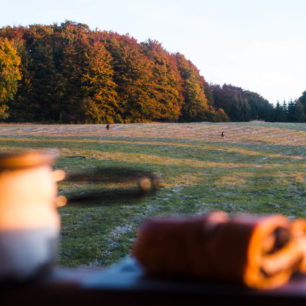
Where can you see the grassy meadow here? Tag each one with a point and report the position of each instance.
(257, 167)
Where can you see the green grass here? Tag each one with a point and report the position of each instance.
(257, 168)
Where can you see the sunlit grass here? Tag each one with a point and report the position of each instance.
(258, 168)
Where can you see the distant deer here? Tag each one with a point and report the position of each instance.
(222, 134)
(107, 126)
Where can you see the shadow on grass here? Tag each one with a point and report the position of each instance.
(108, 197)
(139, 183)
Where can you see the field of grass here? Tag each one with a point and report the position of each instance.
(257, 167)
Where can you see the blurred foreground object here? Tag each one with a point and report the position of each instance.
(259, 251)
(126, 184)
(29, 221)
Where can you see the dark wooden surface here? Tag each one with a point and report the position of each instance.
(126, 284)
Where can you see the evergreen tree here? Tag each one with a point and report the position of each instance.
(280, 113)
(291, 113)
(285, 111)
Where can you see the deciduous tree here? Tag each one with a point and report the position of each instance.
(9, 75)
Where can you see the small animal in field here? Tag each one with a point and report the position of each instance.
(107, 126)
(222, 134)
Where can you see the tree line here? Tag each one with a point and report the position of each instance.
(243, 105)
(68, 73)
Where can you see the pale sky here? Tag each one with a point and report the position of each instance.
(259, 45)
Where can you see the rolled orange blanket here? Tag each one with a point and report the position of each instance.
(261, 252)
(298, 231)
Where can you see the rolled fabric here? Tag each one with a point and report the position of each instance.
(174, 246)
(298, 230)
(260, 252)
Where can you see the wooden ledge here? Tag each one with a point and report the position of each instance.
(125, 284)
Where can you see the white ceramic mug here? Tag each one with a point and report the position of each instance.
(29, 221)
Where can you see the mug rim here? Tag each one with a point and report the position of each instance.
(27, 159)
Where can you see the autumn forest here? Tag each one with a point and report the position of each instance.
(68, 73)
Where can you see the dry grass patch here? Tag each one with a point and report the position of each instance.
(229, 181)
(245, 133)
